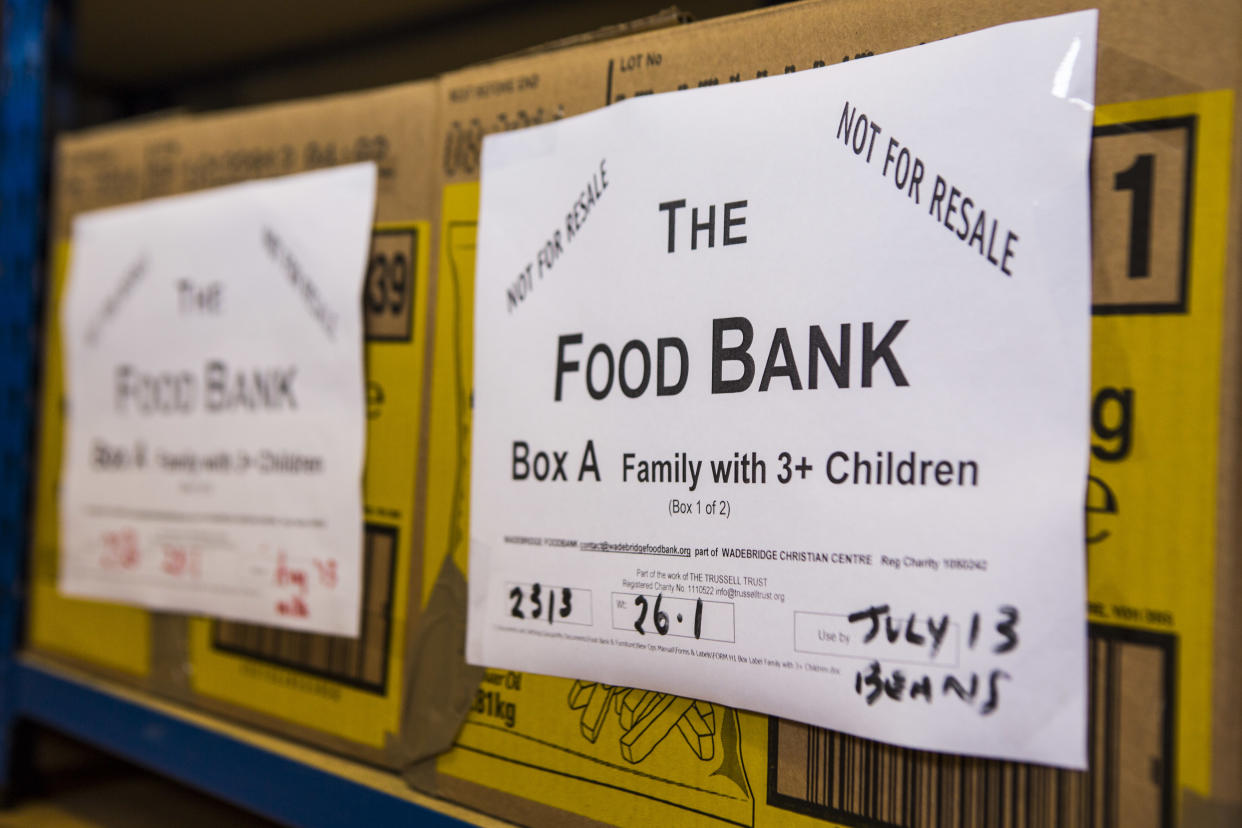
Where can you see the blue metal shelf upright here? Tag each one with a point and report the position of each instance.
(22, 77)
(249, 770)
(218, 762)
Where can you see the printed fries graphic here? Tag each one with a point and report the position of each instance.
(646, 717)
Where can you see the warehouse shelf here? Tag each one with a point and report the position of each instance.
(283, 781)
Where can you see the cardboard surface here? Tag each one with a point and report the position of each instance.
(1162, 541)
(340, 693)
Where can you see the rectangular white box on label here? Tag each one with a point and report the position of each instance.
(215, 421)
(790, 378)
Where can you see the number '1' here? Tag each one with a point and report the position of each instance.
(1139, 178)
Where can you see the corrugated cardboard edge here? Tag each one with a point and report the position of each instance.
(70, 661)
(513, 808)
(1227, 655)
(440, 685)
(663, 19)
(292, 731)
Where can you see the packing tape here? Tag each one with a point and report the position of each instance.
(440, 686)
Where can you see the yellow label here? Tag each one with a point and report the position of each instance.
(1161, 188)
(1160, 167)
(350, 688)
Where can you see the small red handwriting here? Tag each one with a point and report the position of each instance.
(327, 572)
(120, 550)
(181, 561)
(287, 575)
(295, 607)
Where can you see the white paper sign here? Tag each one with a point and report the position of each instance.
(781, 392)
(215, 411)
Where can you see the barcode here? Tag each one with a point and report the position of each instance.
(1130, 754)
(359, 662)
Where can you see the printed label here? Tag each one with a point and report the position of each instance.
(764, 377)
(215, 425)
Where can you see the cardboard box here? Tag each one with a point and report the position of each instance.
(355, 697)
(341, 693)
(344, 694)
(1162, 536)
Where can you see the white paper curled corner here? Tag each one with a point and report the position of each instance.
(1074, 80)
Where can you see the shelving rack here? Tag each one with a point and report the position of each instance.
(284, 782)
(279, 780)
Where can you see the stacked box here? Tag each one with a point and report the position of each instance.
(1165, 744)
(353, 696)
(345, 694)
